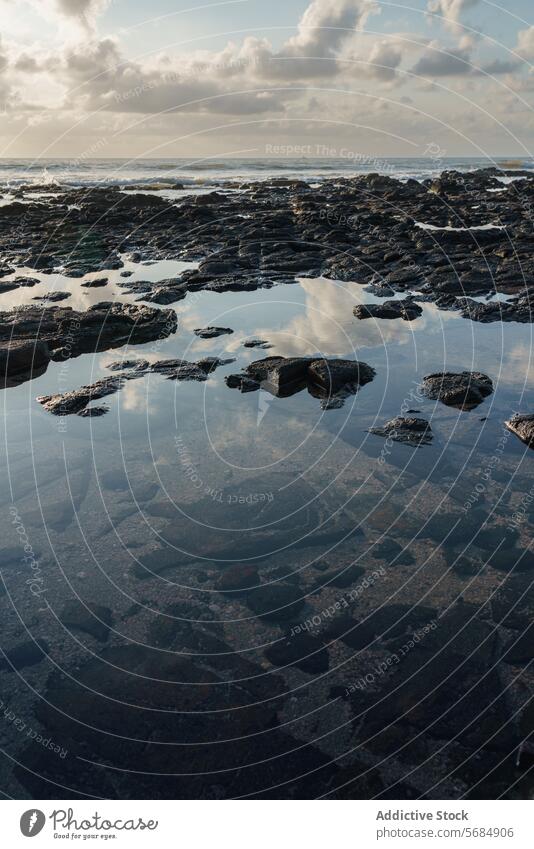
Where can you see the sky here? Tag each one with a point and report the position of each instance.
(108, 78)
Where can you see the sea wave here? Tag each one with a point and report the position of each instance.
(208, 172)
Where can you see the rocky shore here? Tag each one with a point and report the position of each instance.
(449, 241)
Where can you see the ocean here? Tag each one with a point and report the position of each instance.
(207, 172)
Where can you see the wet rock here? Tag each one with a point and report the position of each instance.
(464, 390)
(303, 650)
(257, 343)
(410, 431)
(388, 623)
(522, 424)
(166, 292)
(53, 297)
(94, 412)
(31, 336)
(510, 559)
(517, 309)
(212, 332)
(394, 553)
(26, 282)
(97, 283)
(275, 602)
(77, 402)
(238, 579)
(26, 654)
(406, 309)
(93, 619)
(329, 380)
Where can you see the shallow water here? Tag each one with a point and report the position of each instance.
(144, 511)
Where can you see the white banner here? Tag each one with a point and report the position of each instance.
(268, 824)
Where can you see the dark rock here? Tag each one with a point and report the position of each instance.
(406, 309)
(522, 424)
(93, 619)
(53, 297)
(238, 579)
(27, 654)
(96, 283)
(257, 343)
(465, 390)
(303, 650)
(330, 380)
(275, 602)
(77, 401)
(31, 336)
(211, 332)
(94, 412)
(166, 292)
(412, 431)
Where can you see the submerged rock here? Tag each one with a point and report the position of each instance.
(406, 309)
(93, 619)
(305, 651)
(465, 390)
(26, 654)
(408, 431)
(522, 424)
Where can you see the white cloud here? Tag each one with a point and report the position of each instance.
(451, 11)
(525, 43)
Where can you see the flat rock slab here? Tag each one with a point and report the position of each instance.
(405, 309)
(257, 343)
(96, 283)
(465, 390)
(31, 336)
(410, 431)
(522, 425)
(212, 332)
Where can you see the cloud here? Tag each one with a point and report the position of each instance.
(231, 81)
(525, 43)
(439, 61)
(83, 13)
(450, 11)
(384, 59)
(323, 30)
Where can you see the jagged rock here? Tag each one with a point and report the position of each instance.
(465, 390)
(408, 431)
(406, 309)
(77, 401)
(329, 380)
(166, 292)
(522, 424)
